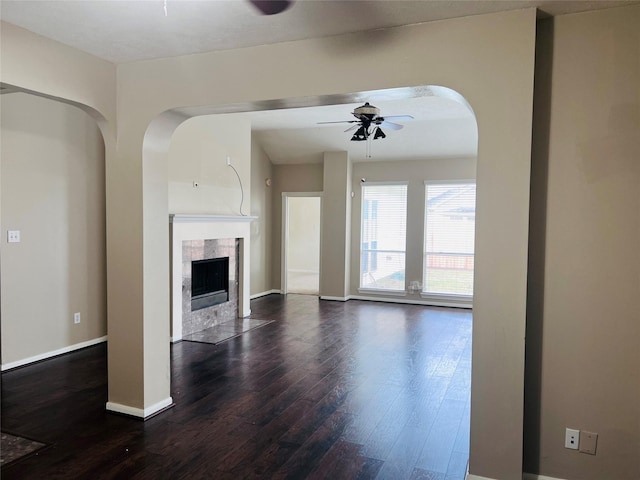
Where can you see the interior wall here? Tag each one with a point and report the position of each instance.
(198, 154)
(289, 178)
(487, 58)
(336, 231)
(35, 63)
(262, 227)
(414, 173)
(53, 192)
(583, 322)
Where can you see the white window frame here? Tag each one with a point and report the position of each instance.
(382, 291)
(443, 299)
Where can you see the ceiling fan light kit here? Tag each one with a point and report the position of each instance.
(368, 124)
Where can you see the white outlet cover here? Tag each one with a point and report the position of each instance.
(572, 439)
(13, 236)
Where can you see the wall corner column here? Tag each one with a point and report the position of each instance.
(336, 227)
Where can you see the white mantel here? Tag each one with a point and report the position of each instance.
(184, 227)
(204, 218)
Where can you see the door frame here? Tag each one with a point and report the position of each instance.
(285, 236)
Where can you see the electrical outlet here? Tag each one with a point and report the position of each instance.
(76, 317)
(588, 442)
(13, 236)
(572, 439)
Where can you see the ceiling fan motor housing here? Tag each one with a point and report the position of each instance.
(366, 111)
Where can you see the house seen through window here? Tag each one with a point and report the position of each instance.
(383, 237)
(450, 215)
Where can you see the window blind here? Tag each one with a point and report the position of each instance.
(383, 237)
(450, 215)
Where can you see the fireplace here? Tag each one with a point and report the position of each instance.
(209, 282)
(203, 245)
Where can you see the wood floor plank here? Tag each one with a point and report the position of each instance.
(337, 390)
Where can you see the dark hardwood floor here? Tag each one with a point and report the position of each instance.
(329, 390)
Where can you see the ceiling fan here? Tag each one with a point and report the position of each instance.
(271, 7)
(369, 121)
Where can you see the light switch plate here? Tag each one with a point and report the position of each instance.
(588, 442)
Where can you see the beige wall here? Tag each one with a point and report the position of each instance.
(488, 59)
(414, 173)
(336, 226)
(53, 192)
(198, 153)
(50, 68)
(262, 227)
(583, 335)
(289, 178)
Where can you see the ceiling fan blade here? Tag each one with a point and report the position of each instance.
(351, 128)
(271, 7)
(399, 117)
(343, 121)
(392, 126)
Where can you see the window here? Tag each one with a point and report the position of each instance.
(383, 237)
(450, 216)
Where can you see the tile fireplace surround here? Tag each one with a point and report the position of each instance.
(187, 231)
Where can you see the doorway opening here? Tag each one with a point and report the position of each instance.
(301, 245)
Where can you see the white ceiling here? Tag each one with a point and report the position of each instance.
(130, 30)
(124, 31)
(442, 128)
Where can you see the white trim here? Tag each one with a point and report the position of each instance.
(139, 412)
(409, 301)
(367, 183)
(336, 299)
(379, 291)
(470, 476)
(535, 476)
(284, 241)
(462, 301)
(264, 294)
(462, 181)
(302, 194)
(182, 218)
(53, 353)
(525, 476)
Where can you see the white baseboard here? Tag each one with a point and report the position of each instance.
(139, 412)
(53, 353)
(525, 476)
(430, 303)
(335, 299)
(535, 476)
(263, 294)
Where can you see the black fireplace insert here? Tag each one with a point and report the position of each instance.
(209, 282)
